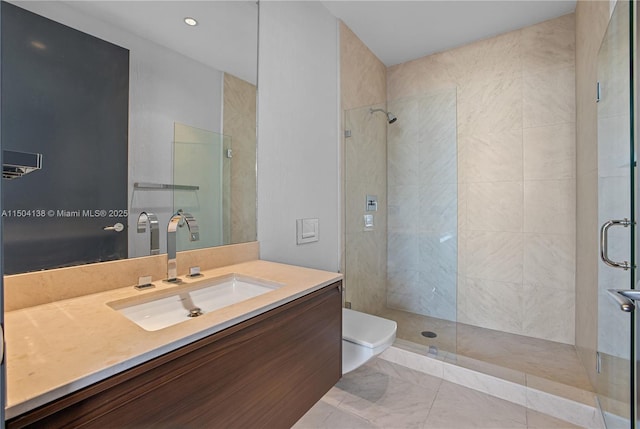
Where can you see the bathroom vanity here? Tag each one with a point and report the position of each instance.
(262, 362)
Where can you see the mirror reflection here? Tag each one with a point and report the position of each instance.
(134, 115)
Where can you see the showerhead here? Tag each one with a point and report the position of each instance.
(391, 118)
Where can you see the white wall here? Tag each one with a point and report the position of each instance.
(298, 175)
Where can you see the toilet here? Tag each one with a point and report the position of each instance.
(364, 336)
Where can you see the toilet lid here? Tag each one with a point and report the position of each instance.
(366, 329)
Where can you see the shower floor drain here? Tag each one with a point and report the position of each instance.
(429, 334)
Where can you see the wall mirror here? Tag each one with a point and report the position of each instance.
(132, 110)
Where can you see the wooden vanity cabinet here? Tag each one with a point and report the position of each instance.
(265, 372)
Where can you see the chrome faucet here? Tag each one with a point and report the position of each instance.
(194, 235)
(154, 230)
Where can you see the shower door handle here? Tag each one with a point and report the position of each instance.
(604, 244)
(625, 298)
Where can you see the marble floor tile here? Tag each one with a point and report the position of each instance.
(325, 416)
(405, 374)
(459, 407)
(382, 394)
(536, 420)
(385, 400)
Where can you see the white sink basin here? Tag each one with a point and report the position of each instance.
(161, 309)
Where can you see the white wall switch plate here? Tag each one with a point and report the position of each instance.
(306, 231)
(368, 221)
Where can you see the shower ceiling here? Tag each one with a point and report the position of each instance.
(400, 31)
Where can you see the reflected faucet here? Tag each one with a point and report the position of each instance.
(154, 230)
(194, 235)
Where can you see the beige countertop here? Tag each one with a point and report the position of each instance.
(58, 348)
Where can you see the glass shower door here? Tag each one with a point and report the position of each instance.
(202, 180)
(401, 217)
(616, 165)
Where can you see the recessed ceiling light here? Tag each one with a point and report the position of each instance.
(38, 45)
(190, 21)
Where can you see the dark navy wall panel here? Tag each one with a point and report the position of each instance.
(65, 94)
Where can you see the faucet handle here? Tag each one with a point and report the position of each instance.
(194, 271)
(144, 282)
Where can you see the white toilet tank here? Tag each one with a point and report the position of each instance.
(363, 337)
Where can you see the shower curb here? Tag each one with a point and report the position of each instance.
(575, 412)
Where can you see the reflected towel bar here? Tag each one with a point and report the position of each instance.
(143, 185)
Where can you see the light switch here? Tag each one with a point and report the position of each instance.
(306, 231)
(368, 222)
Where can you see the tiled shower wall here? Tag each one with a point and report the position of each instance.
(240, 123)
(591, 22)
(516, 174)
(363, 84)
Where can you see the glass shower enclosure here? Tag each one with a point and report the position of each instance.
(401, 220)
(616, 343)
(202, 182)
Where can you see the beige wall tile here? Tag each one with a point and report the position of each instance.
(491, 304)
(549, 152)
(549, 206)
(363, 76)
(549, 98)
(437, 163)
(613, 199)
(437, 147)
(367, 262)
(403, 167)
(363, 84)
(540, 301)
(423, 293)
(503, 213)
(437, 209)
(495, 256)
(403, 206)
(419, 76)
(549, 260)
(462, 252)
(366, 149)
(615, 92)
(492, 157)
(549, 45)
(490, 107)
(438, 252)
(497, 58)
(403, 252)
(240, 125)
(587, 257)
(613, 155)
